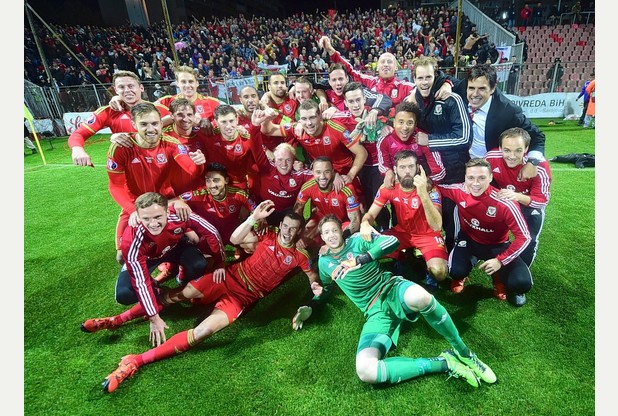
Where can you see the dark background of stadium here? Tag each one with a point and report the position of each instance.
(86, 12)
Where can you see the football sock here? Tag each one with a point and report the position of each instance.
(177, 344)
(439, 319)
(397, 369)
(136, 311)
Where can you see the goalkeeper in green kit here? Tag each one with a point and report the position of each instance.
(386, 301)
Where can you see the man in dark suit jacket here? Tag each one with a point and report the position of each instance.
(492, 113)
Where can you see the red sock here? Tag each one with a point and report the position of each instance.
(177, 344)
(136, 311)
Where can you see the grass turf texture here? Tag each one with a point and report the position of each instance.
(543, 353)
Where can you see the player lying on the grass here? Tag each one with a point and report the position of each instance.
(161, 236)
(234, 289)
(386, 302)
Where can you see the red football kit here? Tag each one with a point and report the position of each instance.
(234, 154)
(204, 105)
(253, 278)
(281, 189)
(393, 88)
(537, 188)
(488, 220)
(223, 214)
(182, 181)
(339, 203)
(333, 142)
(391, 144)
(135, 170)
(138, 245)
(412, 229)
(116, 121)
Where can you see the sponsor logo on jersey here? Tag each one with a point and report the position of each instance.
(463, 203)
(496, 169)
(438, 110)
(111, 165)
(491, 212)
(135, 160)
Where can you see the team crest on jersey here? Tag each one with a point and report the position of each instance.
(292, 182)
(287, 260)
(335, 202)
(178, 230)
(232, 209)
(238, 148)
(182, 149)
(491, 212)
(475, 222)
(438, 110)
(414, 203)
(161, 158)
(326, 140)
(287, 108)
(111, 165)
(394, 93)
(199, 109)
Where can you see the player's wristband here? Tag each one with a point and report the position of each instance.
(363, 258)
(250, 220)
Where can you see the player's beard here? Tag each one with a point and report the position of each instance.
(406, 182)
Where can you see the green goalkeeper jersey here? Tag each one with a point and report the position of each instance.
(364, 284)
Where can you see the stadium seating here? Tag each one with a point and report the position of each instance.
(573, 44)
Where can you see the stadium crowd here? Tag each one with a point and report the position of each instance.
(238, 46)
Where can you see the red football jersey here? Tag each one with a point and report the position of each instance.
(204, 105)
(339, 203)
(408, 207)
(135, 170)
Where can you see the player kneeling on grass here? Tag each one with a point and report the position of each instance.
(233, 289)
(387, 301)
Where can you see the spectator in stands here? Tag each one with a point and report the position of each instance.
(537, 14)
(525, 14)
(513, 80)
(554, 75)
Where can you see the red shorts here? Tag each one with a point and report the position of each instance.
(231, 296)
(430, 245)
